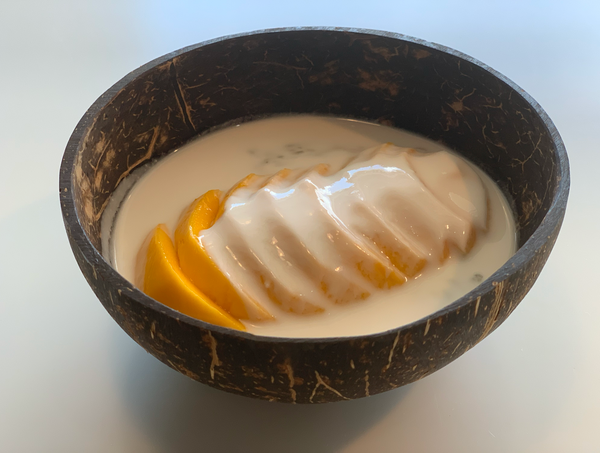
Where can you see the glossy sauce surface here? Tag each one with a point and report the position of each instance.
(220, 159)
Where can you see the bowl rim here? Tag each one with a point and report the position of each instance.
(92, 255)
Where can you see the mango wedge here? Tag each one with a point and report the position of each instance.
(197, 265)
(245, 182)
(165, 282)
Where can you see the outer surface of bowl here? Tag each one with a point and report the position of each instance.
(391, 79)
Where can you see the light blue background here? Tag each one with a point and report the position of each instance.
(72, 381)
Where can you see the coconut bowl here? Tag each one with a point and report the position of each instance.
(387, 78)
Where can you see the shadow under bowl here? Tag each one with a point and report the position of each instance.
(383, 77)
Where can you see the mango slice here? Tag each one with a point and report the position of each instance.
(245, 182)
(165, 282)
(197, 265)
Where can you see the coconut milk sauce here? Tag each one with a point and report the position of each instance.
(218, 160)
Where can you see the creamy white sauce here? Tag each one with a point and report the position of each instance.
(303, 240)
(220, 159)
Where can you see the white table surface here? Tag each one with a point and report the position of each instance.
(72, 381)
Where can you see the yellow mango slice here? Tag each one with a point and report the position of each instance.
(197, 265)
(277, 178)
(377, 274)
(165, 282)
(245, 182)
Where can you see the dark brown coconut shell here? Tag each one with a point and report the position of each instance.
(391, 79)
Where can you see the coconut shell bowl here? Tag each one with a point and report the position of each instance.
(382, 77)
